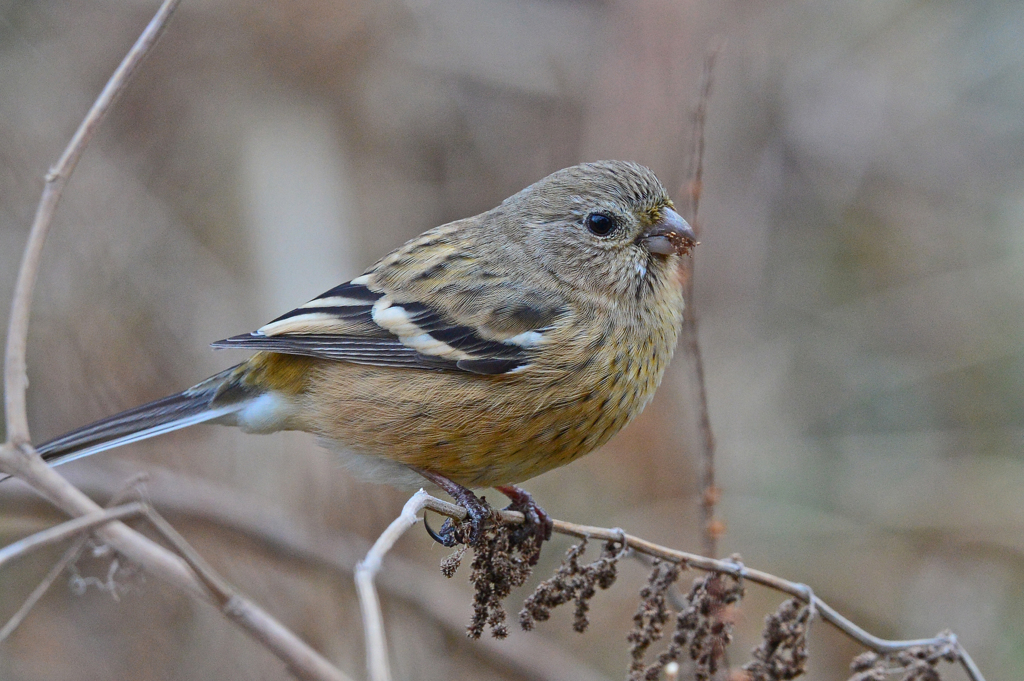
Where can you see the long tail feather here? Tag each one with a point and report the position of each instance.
(214, 398)
(140, 423)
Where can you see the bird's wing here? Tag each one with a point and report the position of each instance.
(482, 329)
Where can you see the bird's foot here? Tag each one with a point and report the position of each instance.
(538, 523)
(479, 514)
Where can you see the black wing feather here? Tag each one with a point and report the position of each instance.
(368, 343)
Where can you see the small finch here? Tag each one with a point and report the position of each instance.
(479, 354)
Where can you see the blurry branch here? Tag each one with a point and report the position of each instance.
(70, 555)
(695, 187)
(183, 498)
(234, 606)
(68, 529)
(78, 526)
(20, 459)
(188, 572)
(711, 528)
(377, 647)
(15, 373)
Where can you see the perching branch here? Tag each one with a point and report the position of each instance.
(373, 621)
(179, 496)
(727, 567)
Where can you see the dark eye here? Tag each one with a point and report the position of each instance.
(600, 224)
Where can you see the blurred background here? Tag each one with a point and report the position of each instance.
(860, 288)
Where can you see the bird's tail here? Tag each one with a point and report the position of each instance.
(212, 399)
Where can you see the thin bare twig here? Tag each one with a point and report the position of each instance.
(77, 526)
(67, 529)
(44, 585)
(15, 376)
(178, 496)
(373, 621)
(19, 458)
(735, 569)
(70, 554)
(711, 528)
(186, 573)
(303, 660)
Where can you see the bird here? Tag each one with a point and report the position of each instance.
(480, 354)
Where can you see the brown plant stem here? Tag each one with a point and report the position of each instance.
(728, 567)
(19, 458)
(15, 376)
(711, 528)
(180, 497)
(67, 529)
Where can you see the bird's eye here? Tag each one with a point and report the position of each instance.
(600, 224)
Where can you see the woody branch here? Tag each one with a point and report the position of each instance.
(19, 459)
(377, 646)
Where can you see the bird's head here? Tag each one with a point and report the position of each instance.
(608, 228)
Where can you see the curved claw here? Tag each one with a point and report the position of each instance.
(479, 513)
(447, 536)
(434, 535)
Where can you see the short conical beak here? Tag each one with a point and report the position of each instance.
(671, 234)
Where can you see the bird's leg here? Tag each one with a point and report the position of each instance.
(538, 522)
(478, 512)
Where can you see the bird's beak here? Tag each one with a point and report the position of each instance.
(671, 234)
